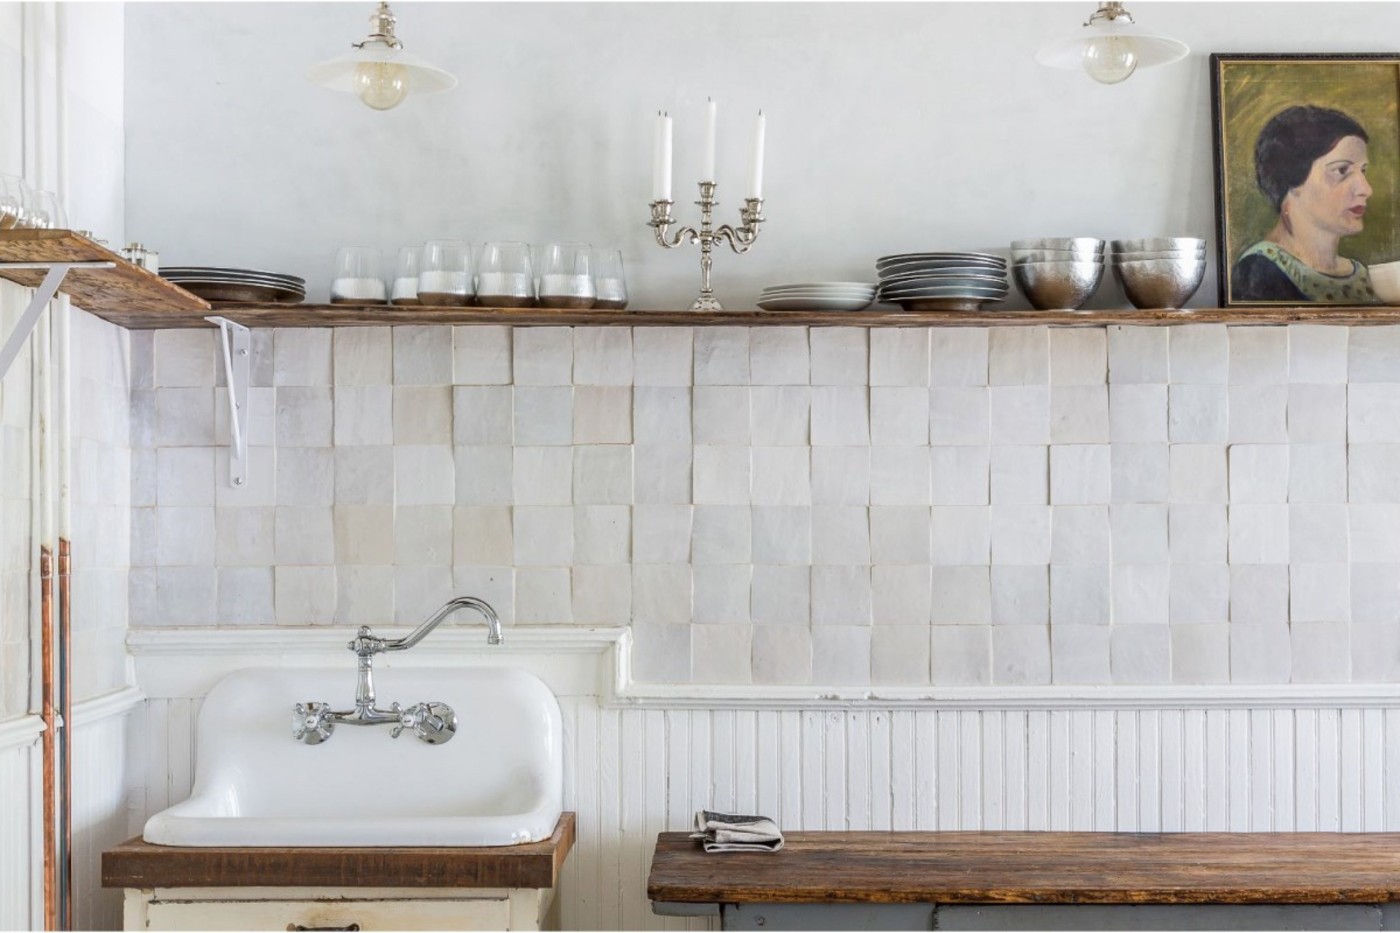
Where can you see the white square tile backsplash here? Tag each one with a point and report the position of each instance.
(782, 505)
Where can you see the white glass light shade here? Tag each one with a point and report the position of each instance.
(380, 75)
(1111, 50)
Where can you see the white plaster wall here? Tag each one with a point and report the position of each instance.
(891, 127)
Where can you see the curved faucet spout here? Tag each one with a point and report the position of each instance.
(493, 623)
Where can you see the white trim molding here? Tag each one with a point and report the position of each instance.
(553, 653)
(108, 706)
(20, 731)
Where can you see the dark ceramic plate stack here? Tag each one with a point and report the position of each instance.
(942, 281)
(216, 283)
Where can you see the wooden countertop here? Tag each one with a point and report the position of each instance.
(139, 864)
(1036, 868)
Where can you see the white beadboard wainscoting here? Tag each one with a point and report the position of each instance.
(640, 759)
(21, 836)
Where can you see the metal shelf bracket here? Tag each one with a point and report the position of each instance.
(53, 279)
(237, 350)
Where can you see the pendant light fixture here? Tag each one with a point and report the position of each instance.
(1111, 47)
(379, 71)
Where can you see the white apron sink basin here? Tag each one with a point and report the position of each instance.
(498, 782)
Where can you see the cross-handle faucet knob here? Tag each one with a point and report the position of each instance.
(310, 724)
(434, 723)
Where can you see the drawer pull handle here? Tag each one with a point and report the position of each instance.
(298, 928)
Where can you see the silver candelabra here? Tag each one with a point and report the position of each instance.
(739, 238)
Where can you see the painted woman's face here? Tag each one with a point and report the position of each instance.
(1334, 195)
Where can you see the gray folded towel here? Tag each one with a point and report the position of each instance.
(731, 832)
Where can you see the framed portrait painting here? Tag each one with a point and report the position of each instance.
(1307, 165)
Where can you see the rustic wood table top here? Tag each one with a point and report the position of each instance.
(139, 864)
(1036, 868)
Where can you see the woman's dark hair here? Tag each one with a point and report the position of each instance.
(1291, 141)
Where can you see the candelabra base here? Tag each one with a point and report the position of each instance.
(706, 303)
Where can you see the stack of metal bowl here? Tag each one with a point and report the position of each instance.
(1057, 273)
(1159, 272)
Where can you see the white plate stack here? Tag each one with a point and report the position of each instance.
(818, 296)
(942, 281)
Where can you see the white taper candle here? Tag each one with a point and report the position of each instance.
(756, 159)
(707, 169)
(665, 158)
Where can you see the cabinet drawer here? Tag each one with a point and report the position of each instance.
(491, 914)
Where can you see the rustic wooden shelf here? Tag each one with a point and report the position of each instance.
(118, 294)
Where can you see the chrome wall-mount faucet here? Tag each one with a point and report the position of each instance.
(433, 722)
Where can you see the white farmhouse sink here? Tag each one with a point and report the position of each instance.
(498, 782)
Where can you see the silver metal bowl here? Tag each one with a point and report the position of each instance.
(1079, 244)
(1160, 283)
(1158, 254)
(1063, 285)
(1054, 255)
(1157, 244)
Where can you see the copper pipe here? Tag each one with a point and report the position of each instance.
(46, 713)
(65, 761)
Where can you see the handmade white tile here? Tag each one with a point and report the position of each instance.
(1140, 655)
(900, 476)
(1375, 593)
(1317, 354)
(1080, 534)
(423, 536)
(1020, 655)
(305, 476)
(959, 475)
(841, 415)
(1141, 594)
(363, 475)
(1139, 533)
(542, 356)
(481, 415)
(1258, 534)
(781, 476)
(1198, 473)
(145, 477)
(543, 475)
(1258, 355)
(1080, 474)
(1200, 593)
(1079, 654)
(422, 415)
(1080, 594)
(1141, 473)
(1258, 414)
(958, 655)
(185, 476)
(243, 537)
(484, 475)
(602, 356)
(961, 535)
(602, 595)
(1138, 355)
(1020, 534)
(1373, 411)
(184, 536)
(602, 475)
(185, 418)
(1260, 654)
(1198, 414)
(1200, 354)
(1321, 652)
(722, 594)
(663, 356)
(840, 356)
(1018, 356)
(544, 535)
(956, 415)
(245, 596)
(364, 595)
(496, 585)
(1020, 475)
(1375, 533)
(1078, 356)
(1375, 651)
(364, 534)
(781, 595)
(661, 593)
(481, 355)
(362, 356)
(899, 356)
(1020, 414)
(1373, 354)
(901, 595)
(841, 595)
(422, 355)
(1137, 414)
(424, 475)
(899, 654)
(602, 534)
(722, 356)
(1317, 414)
(662, 473)
(663, 532)
(840, 475)
(302, 356)
(841, 655)
(543, 595)
(1318, 533)
(603, 415)
(840, 534)
(183, 358)
(958, 356)
(1317, 473)
(778, 356)
(721, 416)
(1258, 473)
(1319, 592)
(544, 415)
(782, 535)
(364, 415)
(782, 654)
(304, 595)
(961, 596)
(1200, 653)
(723, 535)
(721, 654)
(781, 415)
(661, 654)
(303, 536)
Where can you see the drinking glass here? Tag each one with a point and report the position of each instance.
(608, 279)
(405, 290)
(54, 216)
(357, 276)
(506, 278)
(566, 277)
(445, 273)
(11, 201)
